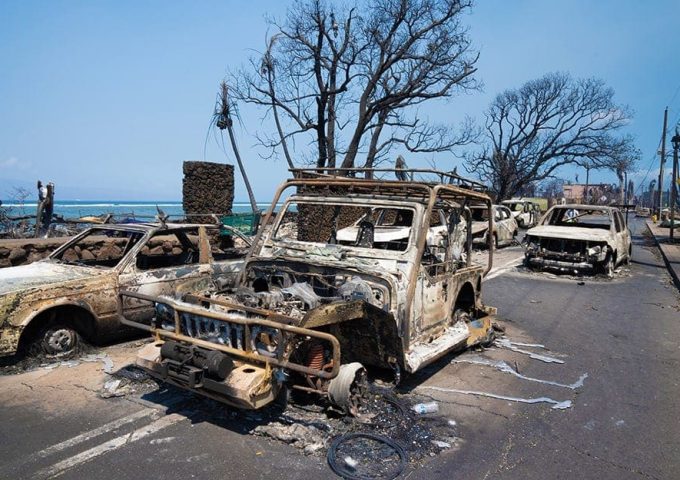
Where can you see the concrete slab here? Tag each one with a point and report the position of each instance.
(669, 251)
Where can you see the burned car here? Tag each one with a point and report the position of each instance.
(575, 238)
(503, 226)
(350, 273)
(52, 304)
(526, 213)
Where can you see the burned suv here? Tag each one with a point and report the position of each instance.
(576, 238)
(349, 273)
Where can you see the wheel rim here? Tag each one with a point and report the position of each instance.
(60, 340)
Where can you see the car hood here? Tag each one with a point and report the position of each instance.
(478, 227)
(571, 233)
(41, 274)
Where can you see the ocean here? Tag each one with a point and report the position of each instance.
(121, 209)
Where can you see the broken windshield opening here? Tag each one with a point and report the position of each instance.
(580, 217)
(515, 207)
(103, 248)
(480, 214)
(377, 227)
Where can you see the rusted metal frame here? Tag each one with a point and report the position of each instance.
(420, 249)
(489, 238)
(308, 389)
(191, 298)
(262, 228)
(249, 355)
(441, 174)
(456, 191)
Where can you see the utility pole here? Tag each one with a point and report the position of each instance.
(663, 159)
(674, 179)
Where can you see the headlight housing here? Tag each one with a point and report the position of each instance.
(592, 251)
(532, 245)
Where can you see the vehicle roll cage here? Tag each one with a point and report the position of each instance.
(426, 191)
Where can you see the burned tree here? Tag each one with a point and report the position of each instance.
(547, 123)
(345, 79)
(225, 111)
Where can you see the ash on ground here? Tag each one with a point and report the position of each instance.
(312, 428)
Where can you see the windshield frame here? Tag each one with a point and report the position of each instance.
(554, 212)
(418, 209)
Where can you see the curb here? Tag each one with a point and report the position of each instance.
(671, 271)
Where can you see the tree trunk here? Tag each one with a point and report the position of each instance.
(251, 196)
(282, 137)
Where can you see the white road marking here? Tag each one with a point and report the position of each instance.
(20, 463)
(83, 437)
(504, 268)
(114, 444)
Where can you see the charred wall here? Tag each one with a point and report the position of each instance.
(207, 188)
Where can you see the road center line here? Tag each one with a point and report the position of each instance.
(507, 266)
(114, 444)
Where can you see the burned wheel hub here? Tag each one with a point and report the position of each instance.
(60, 340)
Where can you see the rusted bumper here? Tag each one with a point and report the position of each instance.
(257, 375)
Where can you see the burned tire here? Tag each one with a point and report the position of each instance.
(57, 339)
(347, 391)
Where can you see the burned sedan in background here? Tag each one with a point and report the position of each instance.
(50, 305)
(504, 227)
(575, 238)
(526, 213)
(349, 274)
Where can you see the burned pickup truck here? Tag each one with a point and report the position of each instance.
(574, 238)
(350, 273)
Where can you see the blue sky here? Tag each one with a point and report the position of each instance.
(108, 98)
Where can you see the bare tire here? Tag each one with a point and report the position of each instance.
(347, 391)
(57, 339)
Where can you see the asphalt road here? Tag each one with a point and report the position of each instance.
(622, 423)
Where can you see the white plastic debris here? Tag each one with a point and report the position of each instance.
(556, 404)
(441, 444)
(350, 462)
(100, 357)
(505, 343)
(427, 407)
(505, 368)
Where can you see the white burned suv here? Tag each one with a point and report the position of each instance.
(350, 273)
(575, 238)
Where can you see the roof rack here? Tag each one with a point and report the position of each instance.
(401, 174)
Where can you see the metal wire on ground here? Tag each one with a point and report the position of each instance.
(350, 474)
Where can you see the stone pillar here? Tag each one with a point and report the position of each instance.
(207, 188)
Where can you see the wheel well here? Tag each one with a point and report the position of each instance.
(466, 298)
(78, 317)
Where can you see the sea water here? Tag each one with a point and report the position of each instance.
(121, 208)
